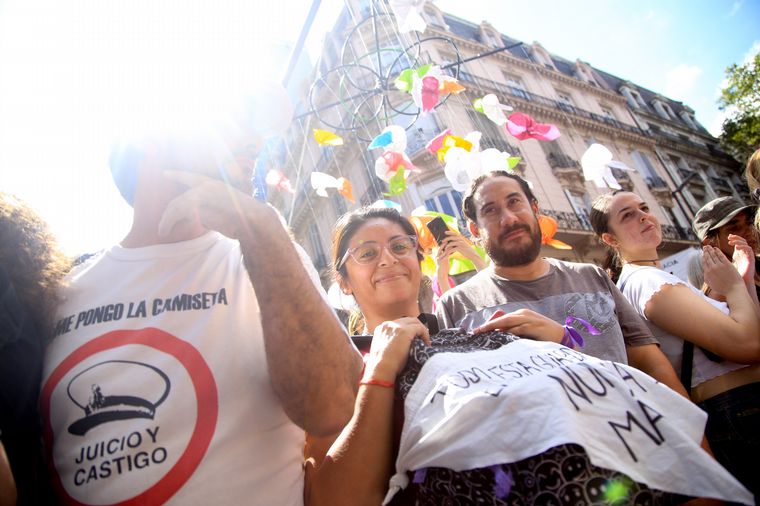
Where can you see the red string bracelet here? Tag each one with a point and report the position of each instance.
(378, 383)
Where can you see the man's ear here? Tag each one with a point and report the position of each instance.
(534, 206)
(609, 240)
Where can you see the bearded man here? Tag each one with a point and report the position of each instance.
(543, 298)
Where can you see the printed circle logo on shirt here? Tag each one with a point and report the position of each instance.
(117, 428)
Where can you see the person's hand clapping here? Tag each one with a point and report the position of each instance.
(390, 347)
(720, 274)
(743, 257)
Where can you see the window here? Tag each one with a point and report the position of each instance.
(581, 205)
(431, 15)
(448, 203)
(565, 101)
(687, 118)
(683, 168)
(556, 157)
(608, 113)
(516, 86)
(662, 109)
(644, 167)
(565, 98)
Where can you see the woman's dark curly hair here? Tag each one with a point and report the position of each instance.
(30, 255)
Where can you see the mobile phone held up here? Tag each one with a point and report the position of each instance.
(438, 228)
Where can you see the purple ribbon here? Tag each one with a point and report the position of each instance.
(502, 482)
(419, 475)
(572, 336)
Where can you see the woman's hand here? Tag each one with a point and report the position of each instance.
(390, 347)
(456, 243)
(525, 323)
(743, 257)
(720, 273)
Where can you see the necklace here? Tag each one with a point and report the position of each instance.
(647, 261)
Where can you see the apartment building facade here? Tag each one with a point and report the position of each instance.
(678, 166)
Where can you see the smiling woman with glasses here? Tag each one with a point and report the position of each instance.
(369, 251)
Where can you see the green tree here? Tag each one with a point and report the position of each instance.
(741, 98)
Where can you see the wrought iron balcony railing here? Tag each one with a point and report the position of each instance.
(678, 233)
(521, 94)
(655, 182)
(561, 161)
(568, 221)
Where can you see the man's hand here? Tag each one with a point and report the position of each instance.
(525, 323)
(215, 204)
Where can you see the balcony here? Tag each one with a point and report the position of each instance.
(687, 173)
(521, 94)
(654, 182)
(569, 221)
(720, 183)
(561, 161)
(486, 141)
(677, 233)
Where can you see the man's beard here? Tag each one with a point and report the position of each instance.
(519, 255)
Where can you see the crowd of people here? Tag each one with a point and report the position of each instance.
(199, 362)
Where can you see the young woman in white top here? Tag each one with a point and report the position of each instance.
(727, 386)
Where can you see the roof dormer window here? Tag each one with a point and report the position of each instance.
(541, 56)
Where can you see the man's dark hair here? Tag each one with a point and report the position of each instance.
(468, 206)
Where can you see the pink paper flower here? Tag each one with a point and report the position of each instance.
(524, 127)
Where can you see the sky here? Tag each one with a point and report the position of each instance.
(73, 72)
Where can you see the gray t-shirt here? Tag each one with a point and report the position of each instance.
(580, 290)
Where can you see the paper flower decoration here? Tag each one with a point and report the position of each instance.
(597, 166)
(325, 138)
(278, 180)
(426, 85)
(452, 141)
(436, 142)
(397, 183)
(492, 108)
(321, 182)
(548, 226)
(393, 160)
(392, 138)
(524, 127)
(464, 164)
(408, 15)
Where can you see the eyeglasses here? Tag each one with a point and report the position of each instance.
(370, 251)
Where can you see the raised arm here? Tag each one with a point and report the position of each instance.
(312, 364)
(7, 484)
(681, 312)
(359, 463)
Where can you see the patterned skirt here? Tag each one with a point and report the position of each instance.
(561, 476)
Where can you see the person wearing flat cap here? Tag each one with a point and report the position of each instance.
(720, 218)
